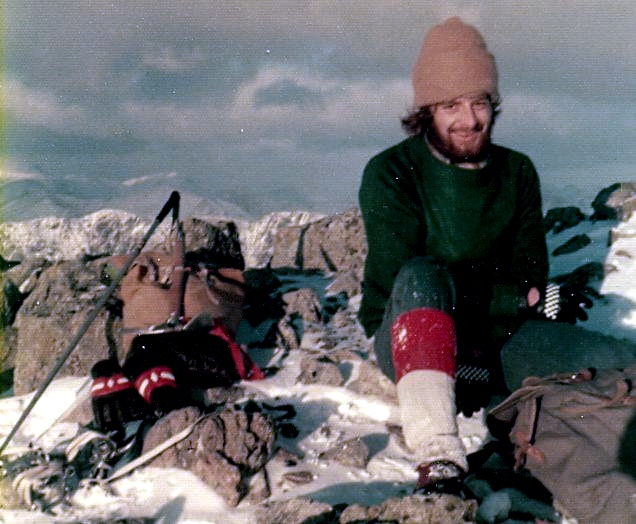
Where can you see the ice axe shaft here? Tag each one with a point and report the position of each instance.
(171, 204)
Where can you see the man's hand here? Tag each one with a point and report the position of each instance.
(562, 303)
(473, 389)
(474, 381)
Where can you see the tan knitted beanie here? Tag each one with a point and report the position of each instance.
(453, 61)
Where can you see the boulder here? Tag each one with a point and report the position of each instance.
(319, 370)
(561, 218)
(414, 509)
(370, 381)
(617, 201)
(353, 453)
(296, 511)
(224, 449)
(48, 319)
(331, 244)
(305, 303)
(216, 243)
(572, 245)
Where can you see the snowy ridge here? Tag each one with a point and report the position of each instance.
(28, 196)
(119, 232)
(145, 200)
(106, 231)
(326, 415)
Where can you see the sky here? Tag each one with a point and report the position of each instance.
(278, 105)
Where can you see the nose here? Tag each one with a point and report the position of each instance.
(467, 116)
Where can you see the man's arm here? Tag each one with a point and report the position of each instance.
(529, 253)
(394, 234)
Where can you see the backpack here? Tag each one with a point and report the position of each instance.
(160, 293)
(573, 433)
(179, 316)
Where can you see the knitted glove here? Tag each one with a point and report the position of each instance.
(114, 399)
(563, 303)
(151, 366)
(473, 384)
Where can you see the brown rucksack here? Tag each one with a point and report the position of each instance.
(159, 291)
(568, 431)
(179, 317)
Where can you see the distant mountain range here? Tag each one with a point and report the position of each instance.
(26, 198)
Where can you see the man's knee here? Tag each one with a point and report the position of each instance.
(423, 282)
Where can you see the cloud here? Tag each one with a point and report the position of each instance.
(537, 41)
(286, 92)
(149, 178)
(41, 122)
(280, 108)
(168, 59)
(328, 107)
(566, 134)
(11, 175)
(39, 107)
(25, 140)
(275, 91)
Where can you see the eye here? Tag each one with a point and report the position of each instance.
(450, 106)
(481, 104)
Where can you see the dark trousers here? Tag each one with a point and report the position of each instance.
(541, 347)
(421, 282)
(537, 348)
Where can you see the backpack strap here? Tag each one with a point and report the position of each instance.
(245, 366)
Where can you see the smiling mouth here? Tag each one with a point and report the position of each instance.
(467, 136)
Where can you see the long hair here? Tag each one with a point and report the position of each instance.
(417, 122)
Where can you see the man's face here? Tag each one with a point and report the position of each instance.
(461, 128)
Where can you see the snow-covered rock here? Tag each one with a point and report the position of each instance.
(355, 408)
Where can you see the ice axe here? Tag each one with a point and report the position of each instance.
(171, 204)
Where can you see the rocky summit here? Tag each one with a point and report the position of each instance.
(303, 275)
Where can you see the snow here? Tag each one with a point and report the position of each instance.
(326, 415)
(116, 231)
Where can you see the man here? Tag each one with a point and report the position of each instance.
(457, 254)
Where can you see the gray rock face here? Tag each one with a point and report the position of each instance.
(217, 243)
(415, 509)
(296, 511)
(332, 244)
(56, 239)
(371, 381)
(304, 302)
(319, 371)
(49, 316)
(353, 453)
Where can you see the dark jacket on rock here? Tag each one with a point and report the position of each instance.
(486, 224)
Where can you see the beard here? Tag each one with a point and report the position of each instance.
(458, 152)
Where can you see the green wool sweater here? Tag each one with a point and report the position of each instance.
(486, 223)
